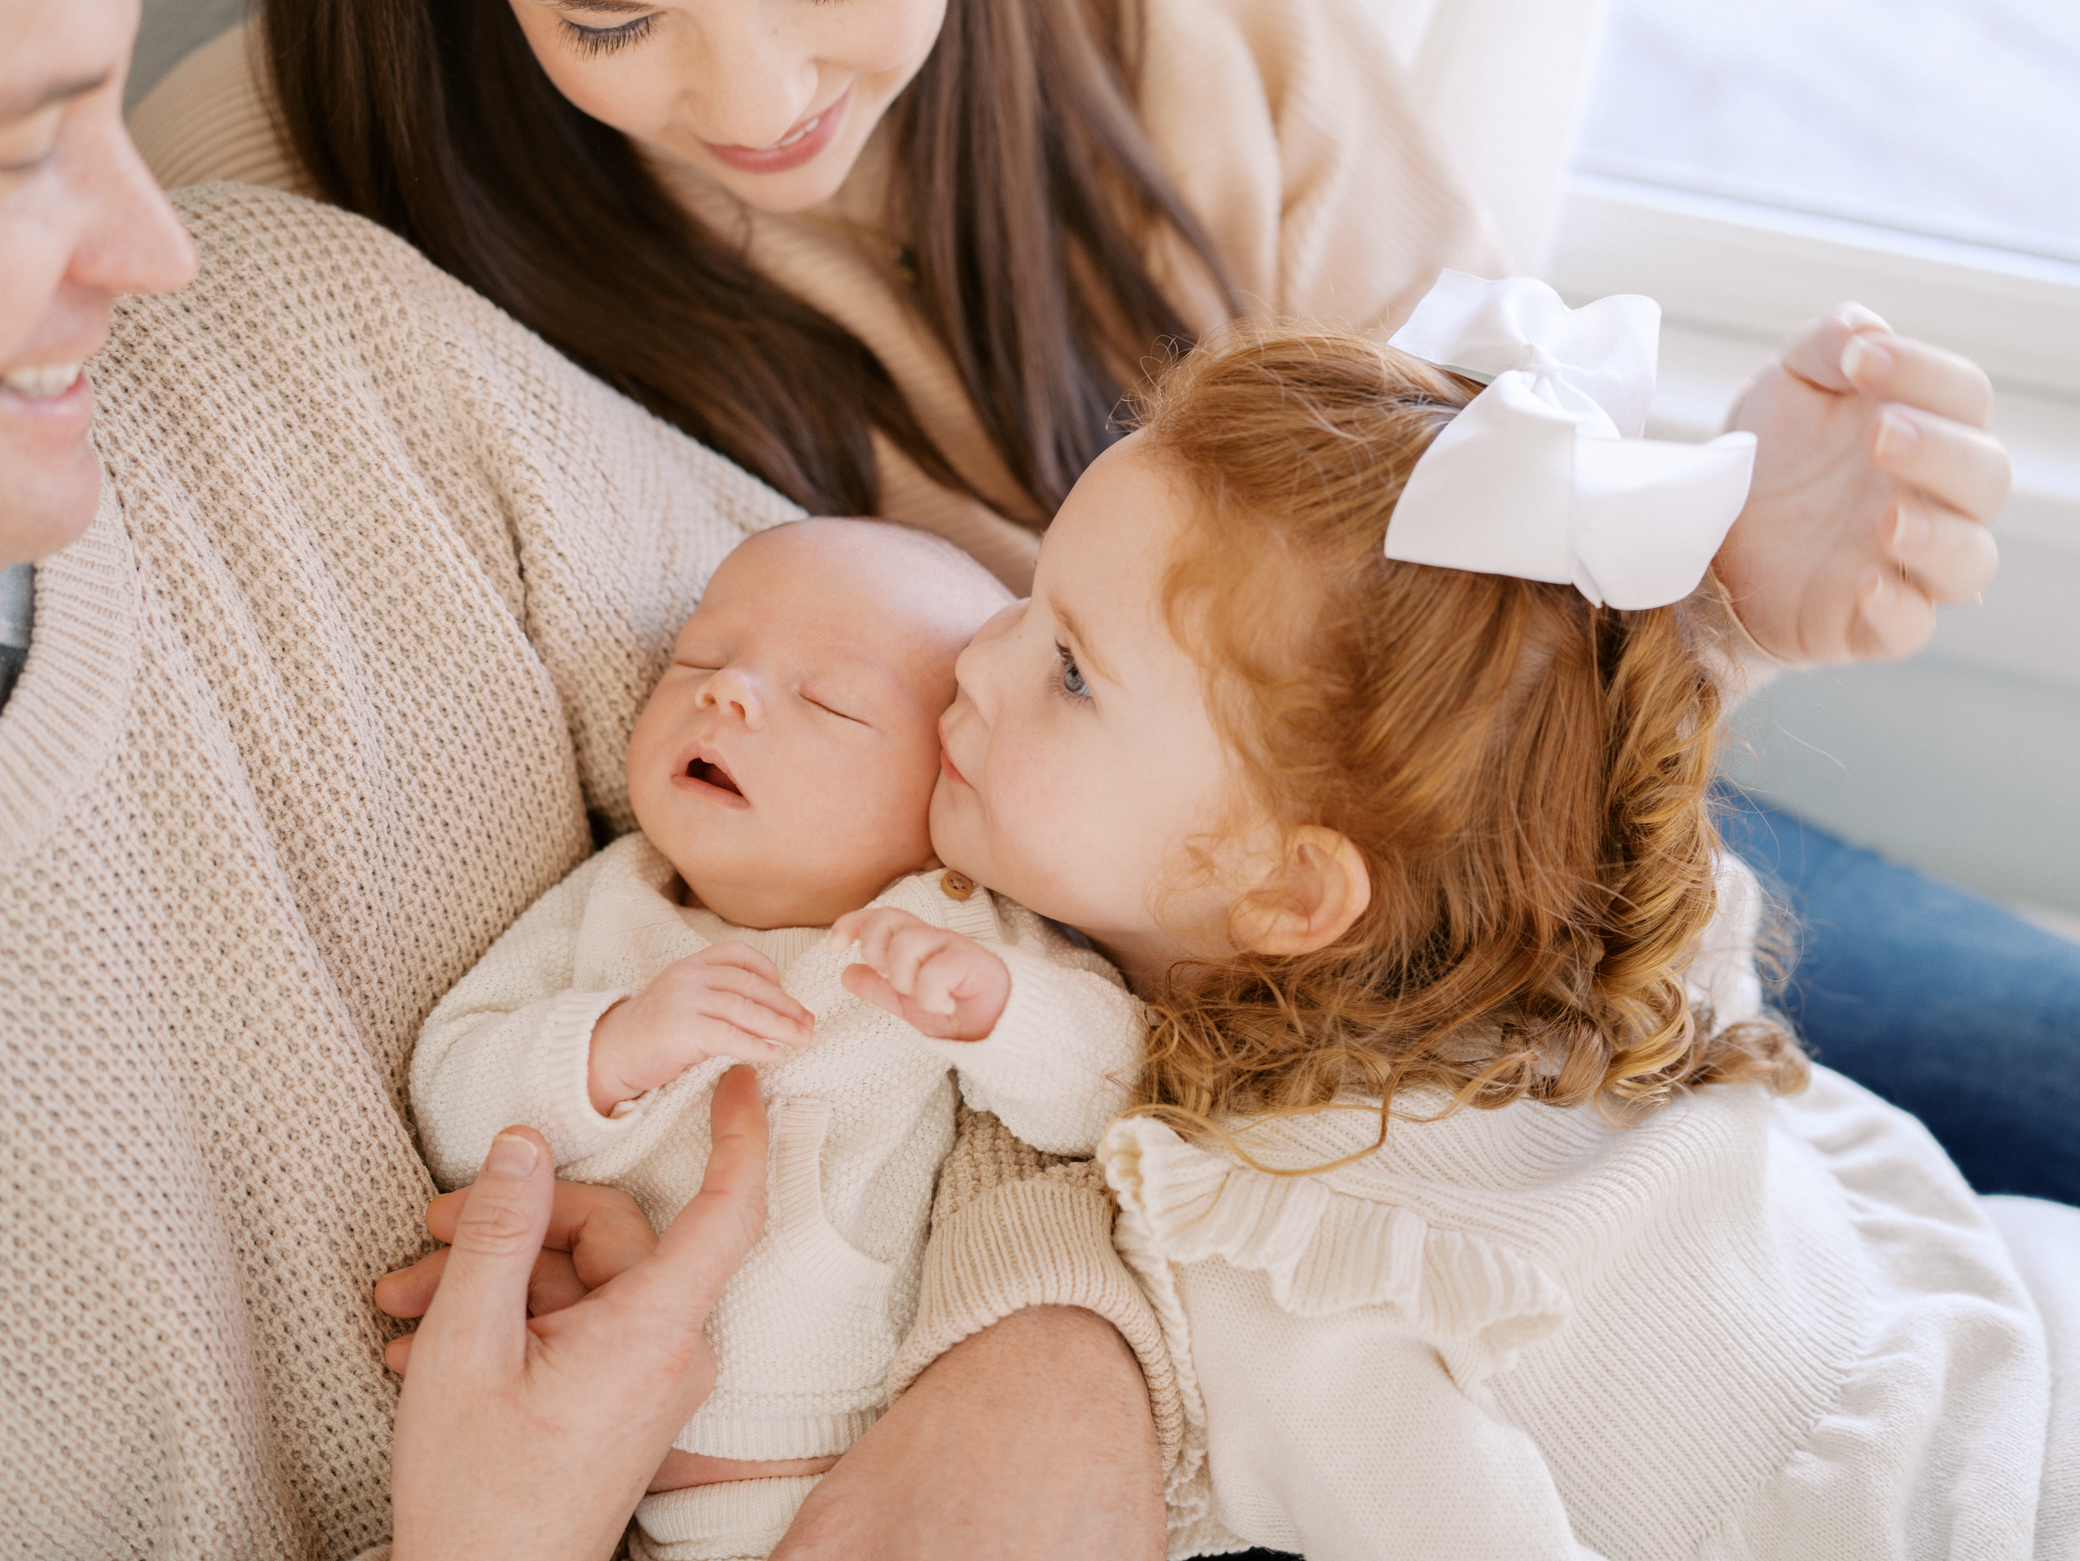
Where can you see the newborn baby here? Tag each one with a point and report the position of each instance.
(782, 774)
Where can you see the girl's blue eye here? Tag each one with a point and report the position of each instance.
(1072, 675)
(605, 40)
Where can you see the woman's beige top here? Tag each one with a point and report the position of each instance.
(1285, 125)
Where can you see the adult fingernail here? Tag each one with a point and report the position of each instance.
(1898, 438)
(511, 1155)
(1910, 529)
(1863, 358)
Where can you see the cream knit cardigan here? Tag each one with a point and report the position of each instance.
(861, 1117)
(315, 709)
(1748, 1328)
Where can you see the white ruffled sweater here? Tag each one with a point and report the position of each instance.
(1749, 1327)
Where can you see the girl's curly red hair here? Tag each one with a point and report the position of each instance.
(1526, 775)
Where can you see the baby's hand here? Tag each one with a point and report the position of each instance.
(725, 1001)
(940, 983)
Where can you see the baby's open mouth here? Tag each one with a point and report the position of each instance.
(714, 774)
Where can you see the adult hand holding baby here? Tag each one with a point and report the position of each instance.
(1874, 483)
(519, 1437)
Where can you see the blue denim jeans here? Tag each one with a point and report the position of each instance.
(1932, 997)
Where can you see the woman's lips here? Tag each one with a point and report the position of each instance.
(805, 141)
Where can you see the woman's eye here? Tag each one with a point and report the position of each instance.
(606, 40)
(1072, 675)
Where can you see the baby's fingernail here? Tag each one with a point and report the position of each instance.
(1898, 438)
(1910, 530)
(1864, 358)
(511, 1155)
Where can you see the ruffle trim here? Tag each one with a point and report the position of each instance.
(1327, 1251)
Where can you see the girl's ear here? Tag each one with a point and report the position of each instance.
(1318, 890)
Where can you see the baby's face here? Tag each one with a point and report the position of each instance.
(785, 763)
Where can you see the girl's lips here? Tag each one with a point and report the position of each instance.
(949, 769)
(807, 140)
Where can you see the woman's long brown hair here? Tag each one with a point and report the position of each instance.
(1020, 165)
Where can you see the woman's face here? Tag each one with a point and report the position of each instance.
(771, 98)
(80, 222)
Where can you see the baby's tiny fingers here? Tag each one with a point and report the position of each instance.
(767, 994)
(754, 1014)
(397, 1354)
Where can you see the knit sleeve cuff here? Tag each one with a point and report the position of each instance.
(558, 1080)
(1032, 1233)
(1058, 1063)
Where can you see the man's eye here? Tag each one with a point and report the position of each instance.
(595, 41)
(1072, 675)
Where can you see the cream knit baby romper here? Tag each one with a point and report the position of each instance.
(861, 1118)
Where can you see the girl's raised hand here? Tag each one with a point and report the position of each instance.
(939, 983)
(1874, 483)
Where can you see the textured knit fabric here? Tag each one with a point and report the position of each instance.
(314, 710)
(1285, 125)
(861, 1118)
(1772, 1329)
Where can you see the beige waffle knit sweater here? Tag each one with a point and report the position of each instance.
(314, 711)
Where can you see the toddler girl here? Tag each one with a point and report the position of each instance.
(1368, 723)
(781, 773)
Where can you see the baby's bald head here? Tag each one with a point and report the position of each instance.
(785, 764)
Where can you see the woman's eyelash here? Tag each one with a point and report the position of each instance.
(1071, 681)
(606, 40)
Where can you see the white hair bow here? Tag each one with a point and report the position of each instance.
(1544, 476)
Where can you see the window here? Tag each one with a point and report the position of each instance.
(1751, 164)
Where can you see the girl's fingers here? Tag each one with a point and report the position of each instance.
(1961, 467)
(1897, 368)
(1947, 556)
(1814, 353)
(1892, 618)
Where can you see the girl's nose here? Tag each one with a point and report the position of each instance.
(975, 672)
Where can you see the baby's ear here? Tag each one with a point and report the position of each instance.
(1314, 894)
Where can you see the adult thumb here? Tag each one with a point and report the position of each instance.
(481, 1307)
(719, 1225)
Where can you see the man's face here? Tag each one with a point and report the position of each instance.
(80, 222)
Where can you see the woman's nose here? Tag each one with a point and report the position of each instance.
(759, 71)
